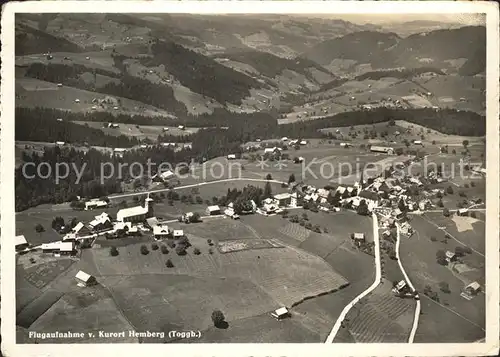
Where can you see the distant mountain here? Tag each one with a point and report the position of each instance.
(386, 50)
(30, 41)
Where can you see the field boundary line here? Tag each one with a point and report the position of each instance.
(418, 307)
(454, 238)
(378, 278)
(193, 185)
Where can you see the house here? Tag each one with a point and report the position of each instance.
(300, 159)
(293, 142)
(231, 214)
(345, 145)
(273, 150)
(294, 199)
(471, 290)
(284, 138)
(181, 127)
(178, 233)
(400, 287)
(85, 279)
(59, 85)
(450, 256)
(92, 204)
(303, 142)
(283, 199)
(100, 222)
(165, 129)
(81, 230)
(417, 142)
(161, 232)
(59, 119)
(163, 176)
(280, 313)
(213, 210)
(119, 152)
(134, 214)
(462, 212)
(231, 157)
(113, 125)
(20, 242)
(382, 149)
(151, 222)
(269, 206)
(59, 247)
(60, 143)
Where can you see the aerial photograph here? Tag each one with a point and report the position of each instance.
(250, 178)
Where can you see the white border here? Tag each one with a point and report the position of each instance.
(490, 347)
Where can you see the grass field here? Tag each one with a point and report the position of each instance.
(381, 317)
(144, 131)
(42, 94)
(418, 256)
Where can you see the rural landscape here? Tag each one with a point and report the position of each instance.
(241, 178)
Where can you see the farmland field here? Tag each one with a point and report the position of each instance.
(381, 317)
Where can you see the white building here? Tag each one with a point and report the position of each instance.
(213, 210)
(59, 247)
(95, 204)
(280, 313)
(134, 214)
(283, 199)
(161, 231)
(20, 242)
(382, 149)
(100, 222)
(85, 279)
(178, 233)
(231, 157)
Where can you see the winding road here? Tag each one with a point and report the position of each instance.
(407, 279)
(378, 279)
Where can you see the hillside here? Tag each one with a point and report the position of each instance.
(386, 50)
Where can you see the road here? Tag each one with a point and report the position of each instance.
(378, 278)
(407, 279)
(193, 185)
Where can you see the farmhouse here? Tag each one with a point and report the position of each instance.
(303, 142)
(472, 289)
(113, 125)
(273, 150)
(134, 214)
(231, 157)
(178, 233)
(163, 176)
(294, 199)
(382, 149)
(161, 232)
(84, 279)
(345, 145)
(60, 247)
(181, 127)
(20, 242)
(283, 199)
(450, 256)
(213, 210)
(60, 143)
(80, 229)
(100, 222)
(280, 313)
(92, 204)
(400, 287)
(462, 212)
(358, 238)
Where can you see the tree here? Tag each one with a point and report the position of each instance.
(459, 251)
(218, 318)
(113, 251)
(305, 217)
(210, 251)
(154, 246)
(169, 264)
(291, 178)
(209, 241)
(446, 212)
(433, 239)
(363, 208)
(164, 249)
(465, 143)
(144, 250)
(269, 177)
(444, 287)
(449, 190)
(195, 218)
(268, 192)
(171, 244)
(440, 203)
(196, 251)
(180, 250)
(39, 228)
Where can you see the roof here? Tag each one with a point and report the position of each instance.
(281, 311)
(21, 239)
(97, 203)
(463, 210)
(160, 230)
(178, 232)
(359, 236)
(166, 174)
(213, 208)
(77, 228)
(475, 285)
(449, 254)
(119, 150)
(81, 275)
(282, 196)
(131, 212)
(153, 221)
(66, 246)
(381, 148)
